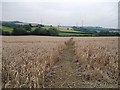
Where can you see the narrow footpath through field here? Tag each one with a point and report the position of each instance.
(67, 73)
(64, 74)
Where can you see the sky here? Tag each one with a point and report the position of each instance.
(102, 13)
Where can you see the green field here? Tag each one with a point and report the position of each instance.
(66, 32)
(62, 29)
(6, 29)
(73, 34)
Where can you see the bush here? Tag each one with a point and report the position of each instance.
(27, 27)
(107, 33)
(19, 31)
(5, 33)
(39, 31)
(53, 31)
(0, 31)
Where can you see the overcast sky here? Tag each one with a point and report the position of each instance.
(63, 12)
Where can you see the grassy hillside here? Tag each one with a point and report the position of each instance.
(70, 32)
(6, 29)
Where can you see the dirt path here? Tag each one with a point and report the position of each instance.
(64, 74)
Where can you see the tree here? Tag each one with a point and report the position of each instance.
(27, 27)
(40, 31)
(53, 31)
(104, 33)
(1, 31)
(19, 30)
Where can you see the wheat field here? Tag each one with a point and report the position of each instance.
(98, 59)
(26, 59)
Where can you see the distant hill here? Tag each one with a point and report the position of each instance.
(96, 28)
(11, 23)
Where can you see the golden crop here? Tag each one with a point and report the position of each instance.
(98, 58)
(25, 60)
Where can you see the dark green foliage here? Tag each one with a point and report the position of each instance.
(53, 31)
(26, 30)
(5, 33)
(20, 30)
(39, 31)
(0, 31)
(76, 28)
(107, 33)
(97, 31)
(27, 27)
(40, 25)
(10, 24)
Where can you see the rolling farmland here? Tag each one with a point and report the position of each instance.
(59, 62)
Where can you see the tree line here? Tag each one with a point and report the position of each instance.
(97, 32)
(27, 30)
